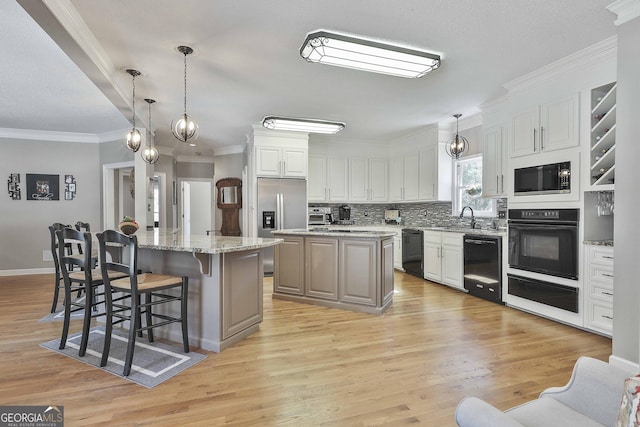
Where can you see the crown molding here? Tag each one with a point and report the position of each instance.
(113, 135)
(39, 135)
(601, 51)
(228, 149)
(625, 10)
(470, 122)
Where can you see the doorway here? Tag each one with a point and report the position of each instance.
(117, 197)
(196, 206)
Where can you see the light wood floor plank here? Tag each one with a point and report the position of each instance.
(307, 366)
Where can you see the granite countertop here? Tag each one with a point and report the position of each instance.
(168, 240)
(598, 242)
(343, 231)
(397, 229)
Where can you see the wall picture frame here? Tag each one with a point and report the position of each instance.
(69, 187)
(13, 186)
(43, 187)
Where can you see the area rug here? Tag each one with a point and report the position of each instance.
(153, 363)
(59, 314)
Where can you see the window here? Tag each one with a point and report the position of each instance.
(468, 188)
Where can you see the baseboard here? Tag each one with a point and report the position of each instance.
(27, 271)
(625, 364)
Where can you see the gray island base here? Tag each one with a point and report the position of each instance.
(338, 269)
(225, 283)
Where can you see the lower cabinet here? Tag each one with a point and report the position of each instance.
(289, 280)
(321, 260)
(599, 288)
(443, 258)
(348, 273)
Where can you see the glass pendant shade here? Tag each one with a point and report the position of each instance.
(134, 140)
(185, 128)
(150, 153)
(459, 144)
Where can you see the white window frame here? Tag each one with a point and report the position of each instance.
(457, 190)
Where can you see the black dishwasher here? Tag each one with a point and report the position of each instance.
(483, 266)
(412, 243)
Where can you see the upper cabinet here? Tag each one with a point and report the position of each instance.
(368, 180)
(327, 179)
(403, 182)
(494, 162)
(603, 135)
(281, 162)
(546, 127)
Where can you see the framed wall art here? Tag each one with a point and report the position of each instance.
(69, 187)
(43, 187)
(13, 186)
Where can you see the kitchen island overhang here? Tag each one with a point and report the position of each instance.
(344, 269)
(225, 283)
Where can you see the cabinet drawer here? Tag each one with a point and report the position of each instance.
(452, 239)
(601, 255)
(433, 237)
(602, 291)
(601, 317)
(601, 273)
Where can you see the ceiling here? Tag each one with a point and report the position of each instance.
(64, 62)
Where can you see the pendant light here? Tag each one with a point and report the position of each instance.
(150, 153)
(134, 138)
(183, 127)
(459, 144)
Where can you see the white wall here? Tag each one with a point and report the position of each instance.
(24, 225)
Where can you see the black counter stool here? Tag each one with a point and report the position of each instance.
(86, 280)
(58, 283)
(152, 286)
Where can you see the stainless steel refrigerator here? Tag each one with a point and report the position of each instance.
(282, 204)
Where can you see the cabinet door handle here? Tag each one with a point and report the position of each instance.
(497, 183)
(607, 293)
(535, 131)
(607, 257)
(541, 138)
(607, 275)
(608, 317)
(501, 184)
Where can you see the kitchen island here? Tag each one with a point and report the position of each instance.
(345, 269)
(225, 283)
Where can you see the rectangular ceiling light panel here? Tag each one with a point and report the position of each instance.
(344, 51)
(302, 125)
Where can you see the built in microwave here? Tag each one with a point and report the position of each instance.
(553, 178)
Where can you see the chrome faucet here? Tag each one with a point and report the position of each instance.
(473, 218)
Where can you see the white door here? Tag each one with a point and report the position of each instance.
(196, 207)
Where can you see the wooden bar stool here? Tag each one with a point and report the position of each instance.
(85, 280)
(151, 286)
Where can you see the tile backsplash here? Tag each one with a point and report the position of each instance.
(428, 214)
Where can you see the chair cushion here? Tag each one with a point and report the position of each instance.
(548, 412)
(96, 274)
(148, 281)
(629, 408)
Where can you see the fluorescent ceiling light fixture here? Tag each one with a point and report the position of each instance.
(302, 125)
(367, 55)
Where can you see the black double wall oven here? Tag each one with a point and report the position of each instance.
(544, 241)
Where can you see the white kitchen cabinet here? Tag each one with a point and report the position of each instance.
(404, 173)
(434, 174)
(603, 136)
(327, 180)
(546, 127)
(599, 288)
(443, 258)
(493, 162)
(367, 180)
(281, 162)
(317, 180)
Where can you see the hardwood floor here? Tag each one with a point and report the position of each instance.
(308, 365)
